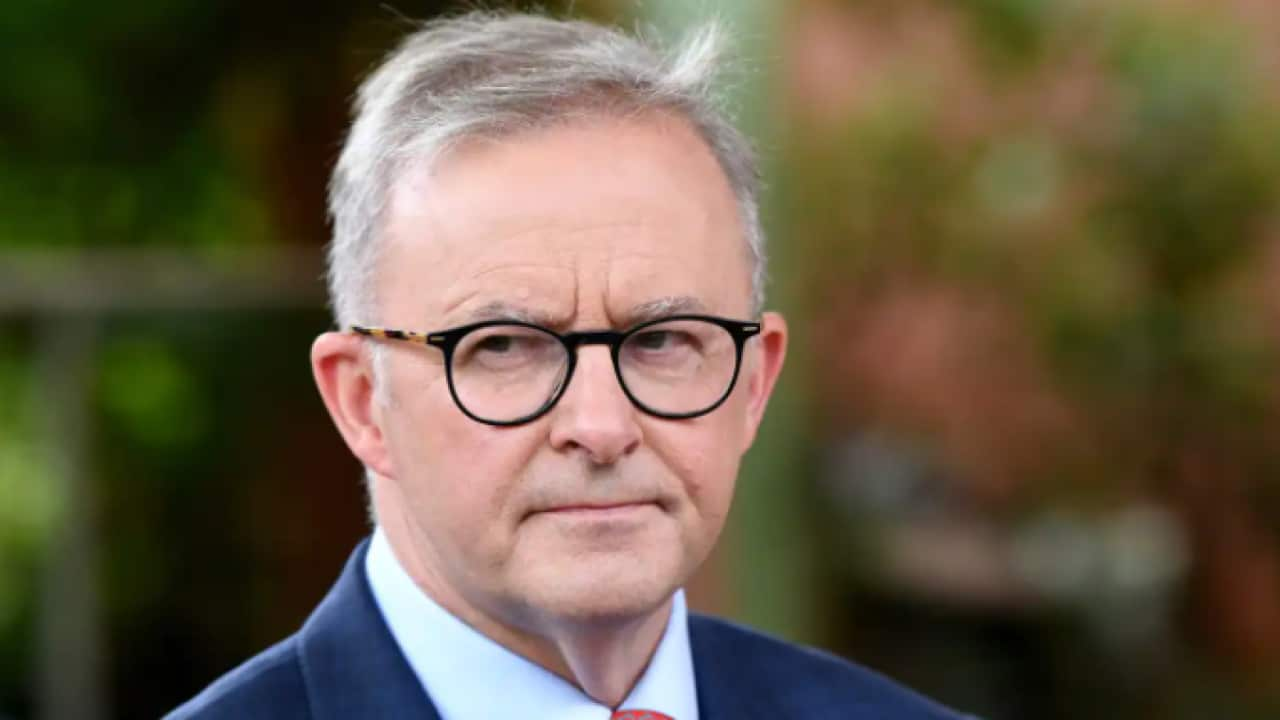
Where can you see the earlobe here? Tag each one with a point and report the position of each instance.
(771, 353)
(345, 380)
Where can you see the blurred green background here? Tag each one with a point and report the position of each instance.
(1026, 455)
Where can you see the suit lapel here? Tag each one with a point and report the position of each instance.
(728, 687)
(350, 662)
(354, 669)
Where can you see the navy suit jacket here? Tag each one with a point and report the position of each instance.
(344, 664)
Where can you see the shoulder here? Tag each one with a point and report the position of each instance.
(269, 685)
(804, 681)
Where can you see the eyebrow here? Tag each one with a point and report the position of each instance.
(662, 307)
(644, 312)
(502, 310)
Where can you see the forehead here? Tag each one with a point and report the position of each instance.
(590, 218)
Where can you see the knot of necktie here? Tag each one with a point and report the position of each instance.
(640, 715)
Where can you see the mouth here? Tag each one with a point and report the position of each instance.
(599, 511)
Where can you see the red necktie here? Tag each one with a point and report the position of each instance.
(640, 715)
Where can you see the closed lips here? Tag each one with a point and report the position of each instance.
(597, 507)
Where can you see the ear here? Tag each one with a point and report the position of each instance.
(762, 374)
(344, 376)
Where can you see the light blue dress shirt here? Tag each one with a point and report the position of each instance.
(470, 677)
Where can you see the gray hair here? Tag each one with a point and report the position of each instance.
(486, 74)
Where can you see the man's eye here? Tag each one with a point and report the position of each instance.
(508, 348)
(496, 344)
(653, 340)
(665, 341)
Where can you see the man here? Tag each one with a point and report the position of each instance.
(548, 269)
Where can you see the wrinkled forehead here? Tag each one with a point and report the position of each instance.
(594, 217)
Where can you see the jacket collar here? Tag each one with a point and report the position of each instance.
(729, 687)
(350, 663)
(353, 668)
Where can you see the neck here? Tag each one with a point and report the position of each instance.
(603, 658)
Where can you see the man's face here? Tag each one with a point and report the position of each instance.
(582, 226)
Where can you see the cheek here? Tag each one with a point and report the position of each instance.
(459, 474)
(437, 443)
(703, 457)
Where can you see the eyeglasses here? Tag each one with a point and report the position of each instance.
(506, 372)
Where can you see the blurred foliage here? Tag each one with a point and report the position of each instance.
(1042, 239)
(150, 395)
(28, 512)
(1115, 192)
(90, 157)
(31, 505)
(222, 486)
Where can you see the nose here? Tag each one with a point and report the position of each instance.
(594, 416)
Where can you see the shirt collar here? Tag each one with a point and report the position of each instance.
(444, 653)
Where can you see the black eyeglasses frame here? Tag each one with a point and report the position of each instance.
(447, 341)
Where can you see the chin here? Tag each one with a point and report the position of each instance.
(604, 590)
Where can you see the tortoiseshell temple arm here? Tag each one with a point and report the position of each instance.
(389, 334)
